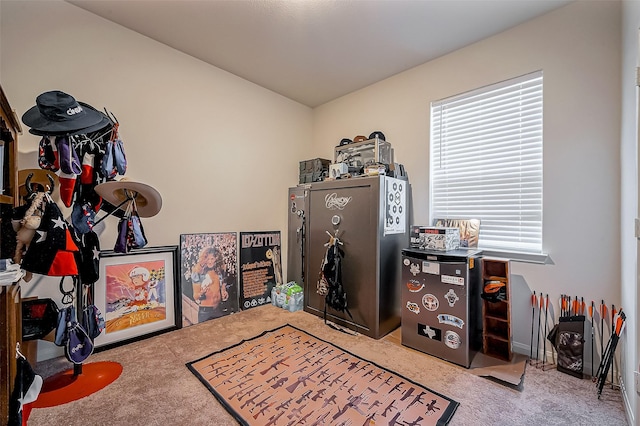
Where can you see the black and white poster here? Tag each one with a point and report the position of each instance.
(260, 268)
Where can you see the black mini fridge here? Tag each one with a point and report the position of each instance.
(441, 304)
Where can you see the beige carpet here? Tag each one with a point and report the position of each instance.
(156, 388)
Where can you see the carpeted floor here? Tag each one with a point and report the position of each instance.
(156, 388)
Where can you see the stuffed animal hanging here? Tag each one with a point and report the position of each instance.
(26, 226)
(52, 249)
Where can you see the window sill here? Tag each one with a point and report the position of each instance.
(537, 258)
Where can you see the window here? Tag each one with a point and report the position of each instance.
(486, 162)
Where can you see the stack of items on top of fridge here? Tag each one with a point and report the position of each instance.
(434, 238)
(446, 234)
(442, 278)
(360, 156)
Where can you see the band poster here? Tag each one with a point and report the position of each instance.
(208, 275)
(260, 267)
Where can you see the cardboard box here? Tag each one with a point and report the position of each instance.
(434, 238)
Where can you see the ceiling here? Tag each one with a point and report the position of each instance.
(314, 51)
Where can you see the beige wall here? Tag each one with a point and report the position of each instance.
(578, 48)
(223, 151)
(629, 199)
(220, 150)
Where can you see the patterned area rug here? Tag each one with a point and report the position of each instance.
(289, 377)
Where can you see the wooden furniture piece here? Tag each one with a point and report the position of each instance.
(10, 300)
(496, 316)
(9, 130)
(10, 334)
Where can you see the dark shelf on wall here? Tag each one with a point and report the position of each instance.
(496, 316)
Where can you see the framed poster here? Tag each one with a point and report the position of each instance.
(260, 267)
(137, 294)
(208, 276)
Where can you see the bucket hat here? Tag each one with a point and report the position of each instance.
(148, 199)
(377, 134)
(494, 290)
(104, 123)
(59, 112)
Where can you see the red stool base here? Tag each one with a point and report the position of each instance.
(64, 387)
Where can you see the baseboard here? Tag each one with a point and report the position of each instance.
(627, 402)
(525, 349)
(520, 348)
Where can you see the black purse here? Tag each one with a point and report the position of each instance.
(92, 319)
(122, 245)
(140, 239)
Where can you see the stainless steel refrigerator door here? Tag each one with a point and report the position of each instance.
(435, 311)
(351, 208)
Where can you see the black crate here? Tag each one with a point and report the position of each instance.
(319, 165)
(312, 177)
(314, 170)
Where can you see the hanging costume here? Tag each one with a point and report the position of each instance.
(26, 389)
(330, 281)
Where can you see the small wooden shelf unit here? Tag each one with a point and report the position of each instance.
(496, 316)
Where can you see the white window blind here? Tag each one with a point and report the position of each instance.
(486, 162)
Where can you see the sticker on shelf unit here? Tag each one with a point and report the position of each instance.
(414, 286)
(430, 267)
(430, 302)
(450, 320)
(451, 297)
(430, 332)
(452, 339)
(414, 269)
(450, 279)
(413, 307)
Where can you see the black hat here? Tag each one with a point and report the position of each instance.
(104, 123)
(345, 141)
(494, 291)
(377, 134)
(58, 112)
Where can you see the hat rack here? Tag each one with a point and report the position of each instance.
(129, 198)
(86, 128)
